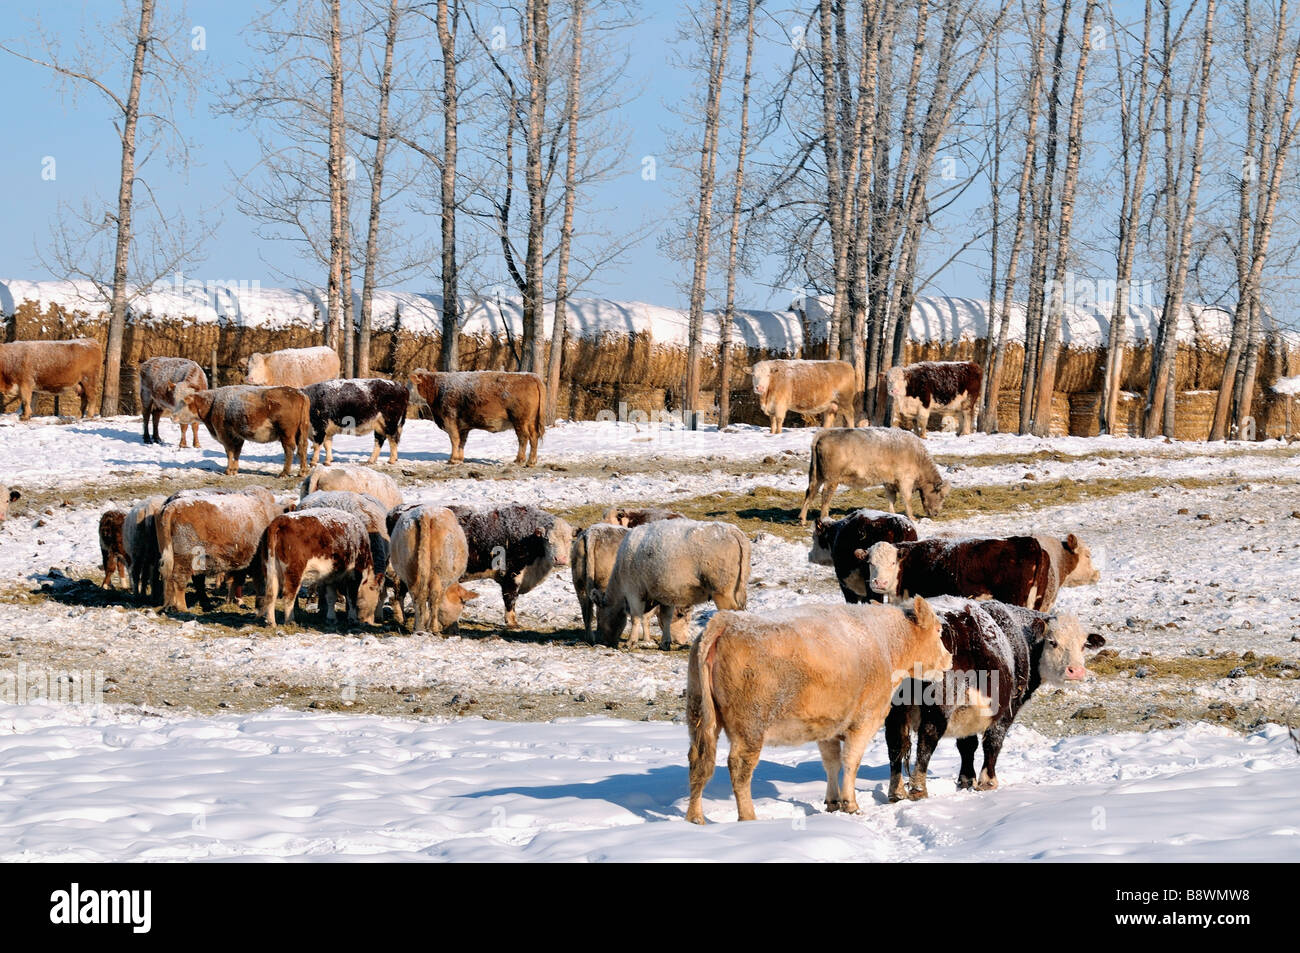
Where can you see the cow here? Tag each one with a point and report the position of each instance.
(461, 401)
(515, 545)
(7, 496)
(372, 405)
(591, 560)
(260, 414)
(52, 367)
(140, 539)
(1071, 560)
(355, 478)
(112, 551)
(324, 547)
(836, 542)
(292, 367)
(806, 387)
(1015, 569)
(430, 555)
(163, 382)
(1001, 654)
(809, 673)
(364, 507)
(674, 565)
(202, 532)
(870, 456)
(947, 387)
(621, 516)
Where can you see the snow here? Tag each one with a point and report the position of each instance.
(1287, 385)
(87, 784)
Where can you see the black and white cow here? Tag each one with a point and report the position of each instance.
(1001, 654)
(935, 387)
(516, 545)
(836, 542)
(370, 405)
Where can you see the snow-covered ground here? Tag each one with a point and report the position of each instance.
(76, 785)
(119, 783)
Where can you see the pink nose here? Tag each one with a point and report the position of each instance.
(1075, 673)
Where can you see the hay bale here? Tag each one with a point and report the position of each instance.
(1194, 414)
(1009, 413)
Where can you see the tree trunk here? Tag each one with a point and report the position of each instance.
(560, 326)
(334, 329)
(449, 356)
(112, 385)
(537, 54)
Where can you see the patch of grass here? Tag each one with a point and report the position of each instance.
(1209, 668)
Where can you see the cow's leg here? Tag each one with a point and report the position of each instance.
(927, 739)
(399, 596)
(966, 425)
(741, 762)
(379, 445)
(509, 593)
(891, 494)
(923, 421)
(287, 444)
(827, 492)
(856, 740)
(329, 449)
(25, 398)
(779, 417)
(993, 738)
(201, 590)
(394, 438)
(896, 731)
(584, 599)
(195, 428)
(145, 411)
(534, 438)
(813, 487)
(833, 762)
(292, 585)
(233, 451)
(666, 616)
(702, 757)
(966, 773)
(905, 490)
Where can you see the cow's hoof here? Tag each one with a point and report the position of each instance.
(833, 806)
(965, 783)
(985, 783)
(696, 817)
(897, 792)
(917, 792)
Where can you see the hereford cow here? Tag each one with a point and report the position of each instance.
(870, 456)
(928, 387)
(462, 401)
(202, 532)
(49, 366)
(591, 560)
(112, 551)
(515, 545)
(140, 539)
(1000, 655)
(292, 367)
(1015, 569)
(7, 496)
(355, 478)
(327, 548)
(163, 382)
(372, 513)
(673, 565)
(430, 555)
(260, 414)
(836, 542)
(373, 405)
(621, 516)
(809, 673)
(1071, 560)
(806, 387)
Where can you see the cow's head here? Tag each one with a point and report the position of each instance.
(256, 372)
(453, 604)
(820, 554)
(559, 541)
(420, 387)
(896, 383)
(882, 568)
(1084, 572)
(931, 655)
(616, 516)
(195, 404)
(182, 414)
(762, 377)
(611, 616)
(1063, 641)
(933, 495)
(7, 496)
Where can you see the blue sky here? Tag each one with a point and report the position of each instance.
(78, 135)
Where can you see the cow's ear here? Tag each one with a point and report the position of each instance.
(14, 495)
(1039, 628)
(540, 531)
(1072, 543)
(1095, 640)
(860, 555)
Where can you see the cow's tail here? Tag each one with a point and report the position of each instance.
(166, 554)
(422, 591)
(541, 409)
(266, 556)
(740, 593)
(701, 709)
(814, 470)
(304, 434)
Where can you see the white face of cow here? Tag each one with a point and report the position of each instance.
(1085, 573)
(561, 541)
(7, 496)
(896, 383)
(882, 569)
(256, 370)
(762, 376)
(1064, 641)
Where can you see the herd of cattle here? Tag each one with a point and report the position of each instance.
(941, 637)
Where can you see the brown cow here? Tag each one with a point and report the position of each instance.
(292, 367)
(140, 539)
(112, 550)
(806, 387)
(327, 548)
(429, 556)
(1071, 560)
(810, 673)
(160, 380)
(202, 532)
(872, 456)
(1016, 570)
(50, 366)
(621, 516)
(260, 414)
(929, 387)
(461, 401)
(7, 496)
(591, 560)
